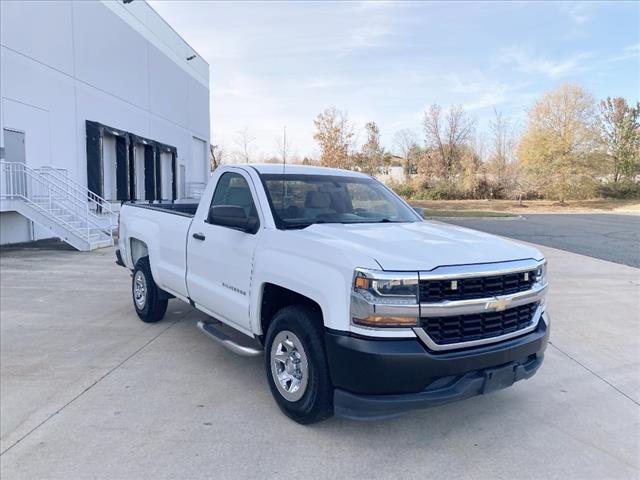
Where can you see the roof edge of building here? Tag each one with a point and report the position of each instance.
(143, 18)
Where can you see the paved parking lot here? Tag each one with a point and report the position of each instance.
(89, 391)
(606, 236)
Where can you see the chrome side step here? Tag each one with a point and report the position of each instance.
(212, 330)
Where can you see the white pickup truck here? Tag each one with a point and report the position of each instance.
(359, 306)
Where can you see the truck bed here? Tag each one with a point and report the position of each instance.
(184, 209)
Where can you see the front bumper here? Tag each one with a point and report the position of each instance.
(378, 378)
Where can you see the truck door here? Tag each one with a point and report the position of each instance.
(219, 259)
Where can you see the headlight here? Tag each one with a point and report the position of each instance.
(540, 274)
(384, 299)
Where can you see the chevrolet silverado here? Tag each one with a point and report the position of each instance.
(359, 306)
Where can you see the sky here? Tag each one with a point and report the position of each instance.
(279, 64)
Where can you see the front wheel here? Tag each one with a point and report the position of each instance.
(149, 307)
(296, 365)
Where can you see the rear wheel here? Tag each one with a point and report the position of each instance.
(296, 365)
(149, 307)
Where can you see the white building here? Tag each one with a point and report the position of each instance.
(97, 95)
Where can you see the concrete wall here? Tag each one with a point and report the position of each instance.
(121, 65)
(14, 228)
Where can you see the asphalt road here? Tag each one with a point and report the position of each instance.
(89, 391)
(611, 237)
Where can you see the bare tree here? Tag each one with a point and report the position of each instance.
(405, 141)
(447, 136)
(244, 142)
(503, 148)
(283, 147)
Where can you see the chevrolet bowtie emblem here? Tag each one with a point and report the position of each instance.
(499, 304)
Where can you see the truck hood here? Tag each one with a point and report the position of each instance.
(420, 245)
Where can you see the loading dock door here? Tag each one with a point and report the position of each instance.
(109, 167)
(138, 162)
(199, 159)
(166, 174)
(123, 166)
(182, 193)
(108, 170)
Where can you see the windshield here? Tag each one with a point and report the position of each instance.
(298, 201)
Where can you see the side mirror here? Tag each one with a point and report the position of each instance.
(419, 211)
(232, 216)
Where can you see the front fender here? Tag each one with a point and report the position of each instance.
(316, 271)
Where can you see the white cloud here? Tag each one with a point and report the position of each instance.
(628, 52)
(526, 61)
(367, 36)
(481, 92)
(487, 99)
(577, 14)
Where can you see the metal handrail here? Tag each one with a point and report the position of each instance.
(46, 196)
(79, 189)
(100, 206)
(61, 188)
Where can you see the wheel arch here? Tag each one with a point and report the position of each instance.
(275, 297)
(138, 249)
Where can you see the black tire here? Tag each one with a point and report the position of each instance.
(151, 308)
(305, 323)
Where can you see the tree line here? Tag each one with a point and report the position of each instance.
(571, 147)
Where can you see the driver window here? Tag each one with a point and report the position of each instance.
(233, 190)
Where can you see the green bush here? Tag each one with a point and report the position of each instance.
(405, 190)
(441, 190)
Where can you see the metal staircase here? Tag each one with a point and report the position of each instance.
(49, 198)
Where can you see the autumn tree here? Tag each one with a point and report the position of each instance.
(334, 134)
(558, 143)
(372, 158)
(445, 137)
(216, 156)
(620, 133)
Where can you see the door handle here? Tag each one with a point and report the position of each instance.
(199, 236)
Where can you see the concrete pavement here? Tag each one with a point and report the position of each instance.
(89, 391)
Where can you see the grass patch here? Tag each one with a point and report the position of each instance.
(487, 208)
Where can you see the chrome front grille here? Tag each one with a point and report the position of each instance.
(471, 305)
(478, 326)
(437, 290)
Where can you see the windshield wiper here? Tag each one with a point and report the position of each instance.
(300, 225)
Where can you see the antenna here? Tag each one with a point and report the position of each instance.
(284, 164)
